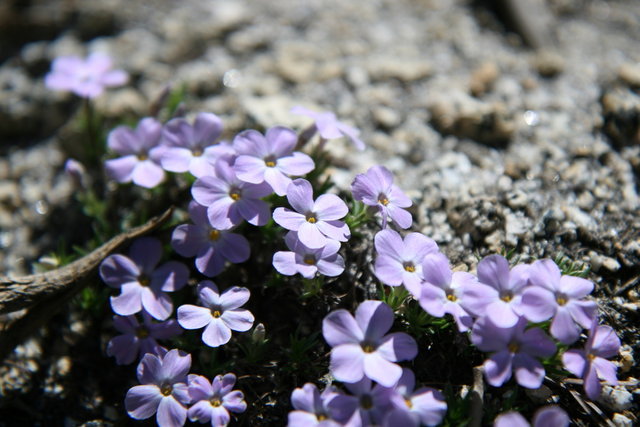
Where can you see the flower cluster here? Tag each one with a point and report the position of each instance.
(167, 390)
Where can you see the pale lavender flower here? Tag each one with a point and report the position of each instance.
(591, 364)
(306, 261)
(164, 389)
(192, 148)
(329, 127)
(77, 172)
(270, 158)
(442, 290)
(140, 154)
(513, 349)
(220, 314)
(317, 222)
(139, 339)
(560, 297)
(376, 188)
(212, 401)
(210, 246)
(399, 261)
(501, 299)
(366, 406)
(412, 408)
(311, 408)
(142, 285)
(360, 346)
(547, 416)
(230, 200)
(86, 78)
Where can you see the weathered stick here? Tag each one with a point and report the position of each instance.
(22, 292)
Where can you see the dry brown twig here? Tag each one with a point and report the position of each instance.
(45, 293)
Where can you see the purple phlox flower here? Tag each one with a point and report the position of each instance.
(191, 148)
(140, 154)
(317, 222)
(360, 346)
(560, 297)
(164, 389)
(591, 364)
(212, 401)
(547, 416)
(306, 261)
(86, 78)
(77, 172)
(501, 298)
(210, 246)
(329, 127)
(230, 200)
(139, 339)
(399, 261)
(442, 290)
(219, 315)
(514, 349)
(424, 406)
(376, 188)
(142, 285)
(365, 406)
(312, 407)
(270, 158)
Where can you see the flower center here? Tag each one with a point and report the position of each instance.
(142, 332)
(144, 280)
(382, 198)
(311, 217)
(367, 347)
(408, 403)
(408, 266)
(216, 313)
(214, 235)
(591, 356)
(561, 299)
(506, 297)
(310, 260)
(197, 152)
(270, 161)
(235, 193)
(366, 402)
(166, 389)
(514, 347)
(321, 417)
(451, 296)
(142, 157)
(215, 402)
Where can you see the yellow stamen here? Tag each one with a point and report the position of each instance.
(514, 347)
(452, 298)
(408, 266)
(144, 280)
(214, 234)
(235, 195)
(197, 152)
(166, 389)
(270, 164)
(216, 314)
(408, 403)
(310, 260)
(382, 198)
(561, 300)
(506, 297)
(215, 402)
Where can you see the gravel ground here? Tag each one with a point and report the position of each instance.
(499, 145)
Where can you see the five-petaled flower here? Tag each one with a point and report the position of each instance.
(360, 346)
(561, 297)
(86, 78)
(140, 152)
(139, 339)
(399, 261)
(210, 246)
(212, 401)
(376, 188)
(591, 364)
(163, 390)
(513, 349)
(270, 158)
(219, 315)
(311, 408)
(306, 261)
(192, 148)
(230, 200)
(316, 222)
(143, 285)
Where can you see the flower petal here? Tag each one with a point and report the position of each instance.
(381, 370)
(340, 327)
(171, 413)
(142, 401)
(347, 363)
(238, 320)
(216, 333)
(193, 317)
